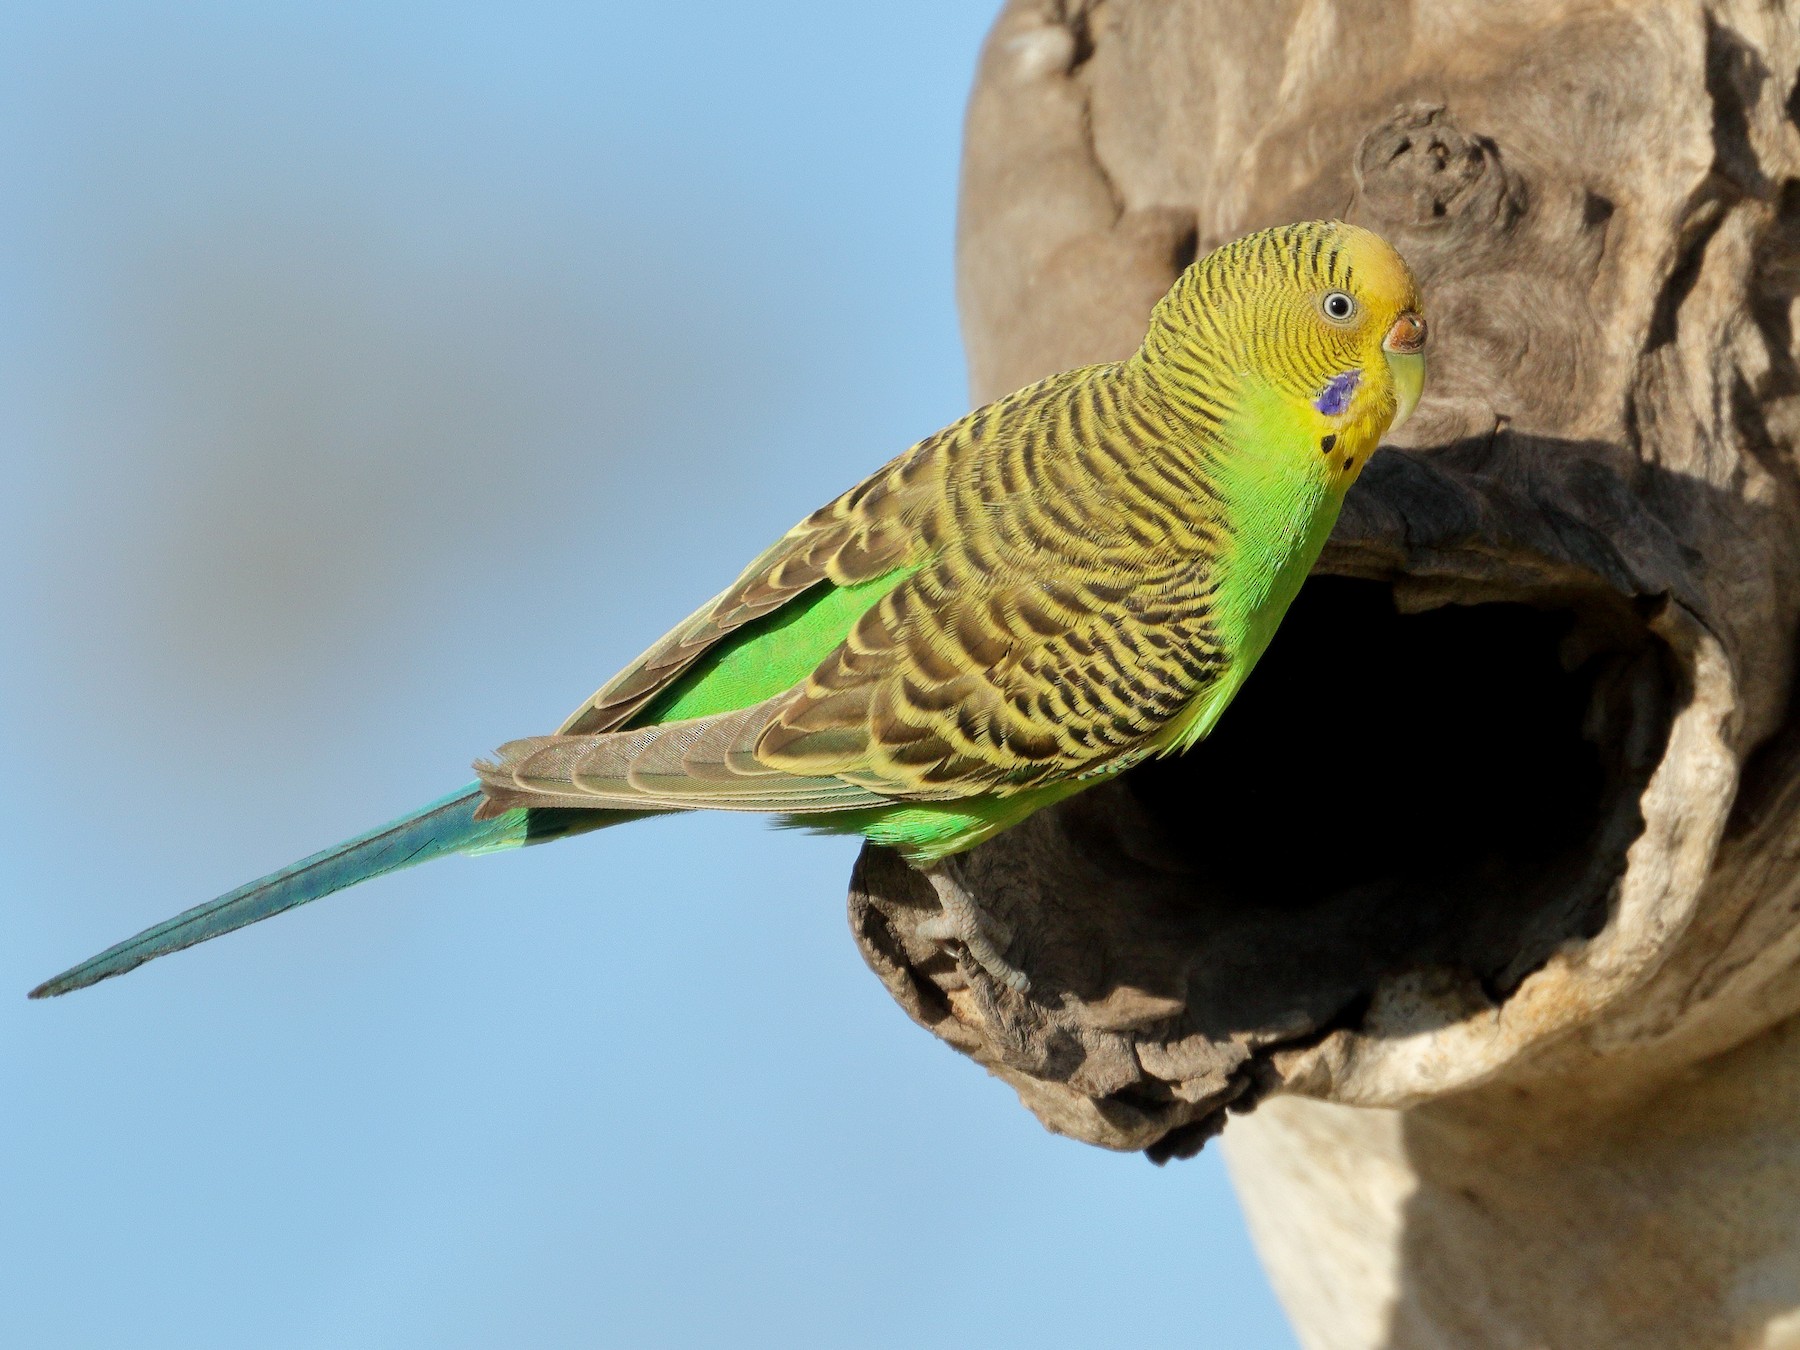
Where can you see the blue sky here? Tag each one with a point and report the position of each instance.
(374, 380)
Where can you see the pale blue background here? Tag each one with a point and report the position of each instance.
(373, 381)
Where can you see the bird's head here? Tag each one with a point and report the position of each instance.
(1314, 328)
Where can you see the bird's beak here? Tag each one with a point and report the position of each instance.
(1404, 347)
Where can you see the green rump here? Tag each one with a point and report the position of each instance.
(777, 652)
(769, 654)
(756, 662)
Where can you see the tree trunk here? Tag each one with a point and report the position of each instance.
(1497, 927)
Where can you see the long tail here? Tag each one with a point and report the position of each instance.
(446, 826)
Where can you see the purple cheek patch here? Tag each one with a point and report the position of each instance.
(1335, 396)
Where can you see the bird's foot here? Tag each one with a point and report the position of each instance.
(961, 924)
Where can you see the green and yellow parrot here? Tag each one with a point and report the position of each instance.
(1063, 583)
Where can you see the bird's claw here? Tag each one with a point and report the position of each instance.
(959, 923)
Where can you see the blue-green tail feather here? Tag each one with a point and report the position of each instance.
(446, 826)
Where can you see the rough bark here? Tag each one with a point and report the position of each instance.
(1510, 866)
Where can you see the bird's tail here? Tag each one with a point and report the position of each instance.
(446, 826)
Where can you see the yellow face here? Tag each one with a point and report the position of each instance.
(1323, 316)
(1353, 327)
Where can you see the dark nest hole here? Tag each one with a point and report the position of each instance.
(1450, 791)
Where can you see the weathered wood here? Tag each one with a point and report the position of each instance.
(1590, 535)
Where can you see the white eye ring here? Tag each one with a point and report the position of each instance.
(1338, 307)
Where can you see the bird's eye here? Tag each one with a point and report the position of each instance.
(1338, 307)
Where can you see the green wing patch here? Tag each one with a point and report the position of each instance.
(769, 654)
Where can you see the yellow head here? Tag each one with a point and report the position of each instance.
(1316, 324)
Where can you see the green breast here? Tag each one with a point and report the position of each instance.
(1280, 507)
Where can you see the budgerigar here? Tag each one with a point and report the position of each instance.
(1059, 585)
